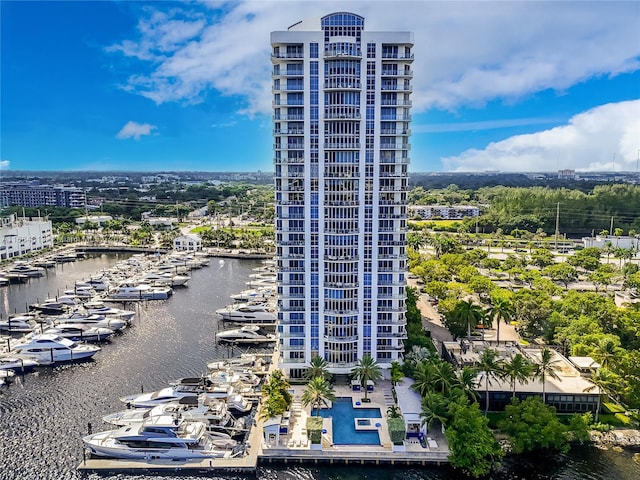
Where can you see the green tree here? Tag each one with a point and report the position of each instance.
(491, 368)
(276, 398)
(435, 408)
(464, 315)
(473, 447)
(501, 310)
(366, 369)
(561, 272)
(318, 367)
(517, 369)
(317, 393)
(546, 366)
(532, 425)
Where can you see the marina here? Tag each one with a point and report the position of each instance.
(169, 340)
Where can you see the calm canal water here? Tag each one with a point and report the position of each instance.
(44, 414)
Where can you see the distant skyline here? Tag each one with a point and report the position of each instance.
(150, 86)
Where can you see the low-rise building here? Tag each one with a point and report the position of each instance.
(570, 392)
(19, 236)
(445, 212)
(623, 241)
(98, 219)
(187, 242)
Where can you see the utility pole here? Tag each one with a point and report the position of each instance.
(557, 223)
(611, 230)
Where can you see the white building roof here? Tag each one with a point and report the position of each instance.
(409, 401)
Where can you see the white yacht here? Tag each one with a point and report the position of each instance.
(50, 306)
(246, 334)
(94, 320)
(50, 348)
(175, 393)
(238, 404)
(99, 284)
(213, 413)
(26, 269)
(157, 438)
(166, 278)
(19, 324)
(80, 331)
(17, 362)
(98, 307)
(69, 299)
(250, 313)
(142, 291)
(254, 295)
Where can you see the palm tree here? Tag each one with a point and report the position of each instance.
(318, 392)
(394, 412)
(443, 376)
(434, 408)
(276, 395)
(546, 367)
(396, 374)
(424, 376)
(466, 379)
(607, 350)
(490, 365)
(502, 310)
(366, 369)
(318, 367)
(468, 313)
(518, 369)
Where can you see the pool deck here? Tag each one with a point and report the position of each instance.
(295, 446)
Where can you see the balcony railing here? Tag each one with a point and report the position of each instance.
(395, 102)
(294, 131)
(287, 88)
(397, 56)
(288, 55)
(347, 53)
(342, 146)
(396, 73)
(396, 88)
(395, 146)
(285, 116)
(342, 116)
(333, 85)
(288, 73)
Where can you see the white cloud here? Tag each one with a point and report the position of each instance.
(4, 164)
(135, 130)
(481, 125)
(600, 139)
(466, 53)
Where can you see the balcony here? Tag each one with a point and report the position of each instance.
(397, 56)
(284, 269)
(392, 256)
(342, 116)
(288, 73)
(342, 146)
(342, 231)
(396, 88)
(288, 88)
(293, 131)
(285, 116)
(394, 161)
(401, 335)
(389, 348)
(394, 131)
(398, 117)
(294, 160)
(281, 56)
(286, 175)
(343, 53)
(392, 309)
(399, 322)
(286, 203)
(337, 85)
(395, 146)
(340, 313)
(396, 73)
(341, 284)
(330, 203)
(388, 102)
(335, 258)
(285, 103)
(340, 339)
(288, 146)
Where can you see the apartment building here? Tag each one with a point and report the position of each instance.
(341, 114)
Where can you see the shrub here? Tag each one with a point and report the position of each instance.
(314, 429)
(397, 430)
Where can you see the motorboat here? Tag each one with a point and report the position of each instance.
(44, 263)
(94, 320)
(213, 413)
(97, 307)
(17, 362)
(250, 313)
(26, 269)
(175, 393)
(14, 277)
(51, 348)
(246, 361)
(82, 293)
(246, 334)
(157, 438)
(238, 404)
(69, 299)
(254, 295)
(80, 331)
(50, 306)
(166, 278)
(137, 292)
(99, 284)
(19, 324)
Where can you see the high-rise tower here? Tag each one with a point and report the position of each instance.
(341, 112)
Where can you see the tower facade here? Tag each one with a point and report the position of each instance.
(341, 113)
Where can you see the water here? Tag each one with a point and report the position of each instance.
(44, 415)
(343, 416)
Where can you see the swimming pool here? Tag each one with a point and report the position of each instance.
(343, 423)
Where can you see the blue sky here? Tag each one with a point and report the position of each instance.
(510, 86)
